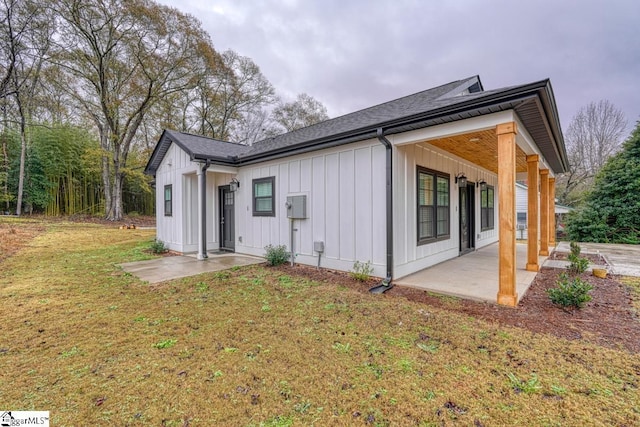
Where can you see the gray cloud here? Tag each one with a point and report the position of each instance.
(354, 54)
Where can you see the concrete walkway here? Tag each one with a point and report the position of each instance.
(175, 267)
(472, 276)
(622, 259)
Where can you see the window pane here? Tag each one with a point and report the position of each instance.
(167, 200)
(522, 217)
(490, 197)
(425, 222)
(426, 189)
(264, 204)
(443, 220)
(263, 189)
(443, 191)
(483, 198)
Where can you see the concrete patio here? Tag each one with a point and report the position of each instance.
(472, 276)
(175, 267)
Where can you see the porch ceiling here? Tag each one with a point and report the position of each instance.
(479, 147)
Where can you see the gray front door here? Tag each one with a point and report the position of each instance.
(467, 202)
(227, 219)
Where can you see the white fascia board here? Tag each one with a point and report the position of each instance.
(474, 124)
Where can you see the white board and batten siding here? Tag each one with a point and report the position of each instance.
(522, 206)
(345, 189)
(169, 229)
(180, 231)
(410, 257)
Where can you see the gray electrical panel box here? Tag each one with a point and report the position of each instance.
(318, 247)
(296, 207)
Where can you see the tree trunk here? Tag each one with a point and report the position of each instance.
(23, 156)
(118, 181)
(106, 183)
(5, 171)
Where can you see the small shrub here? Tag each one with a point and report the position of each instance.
(276, 255)
(158, 247)
(362, 271)
(570, 293)
(575, 248)
(578, 264)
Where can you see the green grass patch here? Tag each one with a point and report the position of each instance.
(96, 346)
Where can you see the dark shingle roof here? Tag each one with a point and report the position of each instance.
(398, 108)
(534, 102)
(201, 147)
(197, 147)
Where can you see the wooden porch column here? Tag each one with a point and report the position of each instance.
(552, 212)
(544, 212)
(507, 208)
(532, 213)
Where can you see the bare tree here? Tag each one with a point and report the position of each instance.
(595, 134)
(125, 55)
(228, 98)
(30, 57)
(304, 111)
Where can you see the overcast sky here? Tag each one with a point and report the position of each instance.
(352, 54)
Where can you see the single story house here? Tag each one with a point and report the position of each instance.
(521, 213)
(404, 185)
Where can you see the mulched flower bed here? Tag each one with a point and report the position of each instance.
(609, 319)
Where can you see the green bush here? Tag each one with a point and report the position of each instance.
(158, 247)
(362, 271)
(578, 264)
(276, 255)
(570, 293)
(575, 248)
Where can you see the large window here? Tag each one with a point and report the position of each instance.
(263, 199)
(168, 200)
(433, 206)
(486, 208)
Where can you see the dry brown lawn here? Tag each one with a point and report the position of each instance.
(255, 346)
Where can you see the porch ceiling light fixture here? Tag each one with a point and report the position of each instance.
(234, 185)
(461, 179)
(482, 184)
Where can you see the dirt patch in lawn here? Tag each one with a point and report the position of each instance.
(13, 236)
(609, 319)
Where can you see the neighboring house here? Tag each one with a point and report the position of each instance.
(405, 184)
(521, 213)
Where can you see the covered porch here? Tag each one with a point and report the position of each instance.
(496, 150)
(473, 276)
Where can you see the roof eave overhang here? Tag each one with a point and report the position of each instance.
(539, 92)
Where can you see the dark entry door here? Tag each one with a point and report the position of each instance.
(227, 219)
(467, 218)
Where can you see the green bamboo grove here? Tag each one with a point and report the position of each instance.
(63, 174)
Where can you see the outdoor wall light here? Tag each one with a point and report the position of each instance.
(461, 179)
(482, 184)
(234, 185)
